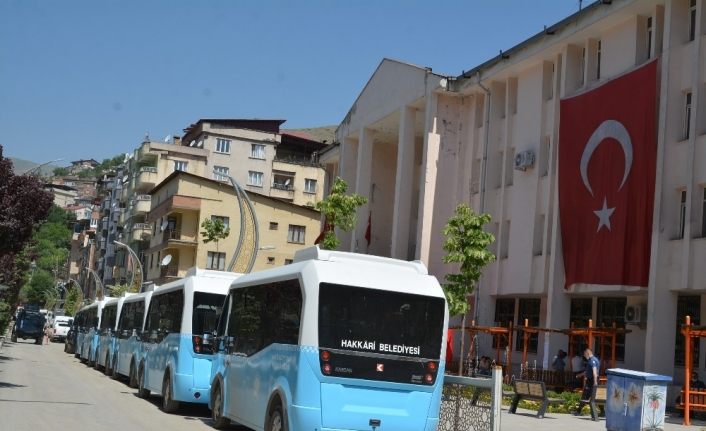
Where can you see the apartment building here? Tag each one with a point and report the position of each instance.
(183, 201)
(147, 167)
(623, 174)
(110, 189)
(260, 157)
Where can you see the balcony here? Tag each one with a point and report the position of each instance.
(141, 231)
(146, 179)
(141, 204)
(176, 235)
(282, 191)
(171, 270)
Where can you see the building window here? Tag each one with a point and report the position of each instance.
(682, 213)
(504, 315)
(687, 115)
(505, 246)
(509, 167)
(580, 313)
(257, 151)
(598, 60)
(255, 178)
(583, 66)
(283, 180)
(288, 261)
(296, 234)
(611, 310)
(528, 309)
(649, 37)
(309, 185)
(220, 173)
(687, 306)
(692, 20)
(216, 260)
(270, 260)
(180, 165)
(223, 146)
(274, 225)
(225, 220)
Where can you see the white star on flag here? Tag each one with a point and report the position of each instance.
(603, 215)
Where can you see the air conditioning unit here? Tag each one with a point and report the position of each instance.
(524, 160)
(636, 314)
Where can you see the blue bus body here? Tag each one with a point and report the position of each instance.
(88, 343)
(128, 347)
(174, 356)
(107, 340)
(363, 384)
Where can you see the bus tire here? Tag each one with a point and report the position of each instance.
(219, 421)
(132, 375)
(13, 338)
(114, 368)
(37, 341)
(169, 405)
(276, 421)
(90, 362)
(106, 365)
(142, 392)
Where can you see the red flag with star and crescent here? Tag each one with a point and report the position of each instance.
(607, 159)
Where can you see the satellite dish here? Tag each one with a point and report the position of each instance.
(165, 223)
(192, 143)
(287, 183)
(166, 260)
(167, 138)
(200, 144)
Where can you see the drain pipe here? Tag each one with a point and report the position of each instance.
(483, 170)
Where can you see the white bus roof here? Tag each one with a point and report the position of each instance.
(353, 270)
(200, 280)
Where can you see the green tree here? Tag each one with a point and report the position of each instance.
(60, 172)
(120, 289)
(339, 210)
(466, 246)
(72, 301)
(39, 289)
(214, 230)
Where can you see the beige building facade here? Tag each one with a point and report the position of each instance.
(417, 144)
(182, 202)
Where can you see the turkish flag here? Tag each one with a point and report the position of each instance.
(607, 159)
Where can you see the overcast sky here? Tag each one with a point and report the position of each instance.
(88, 79)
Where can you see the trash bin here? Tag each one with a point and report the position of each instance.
(635, 400)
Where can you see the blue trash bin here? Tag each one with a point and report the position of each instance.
(635, 400)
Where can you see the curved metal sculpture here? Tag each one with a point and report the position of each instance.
(136, 258)
(99, 283)
(245, 253)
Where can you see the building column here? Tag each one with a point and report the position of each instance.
(427, 188)
(403, 184)
(362, 187)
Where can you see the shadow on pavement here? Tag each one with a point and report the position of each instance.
(10, 385)
(209, 422)
(186, 410)
(4, 358)
(46, 402)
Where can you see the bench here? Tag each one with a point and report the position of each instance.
(598, 398)
(697, 400)
(532, 390)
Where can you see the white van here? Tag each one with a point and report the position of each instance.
(61, 326)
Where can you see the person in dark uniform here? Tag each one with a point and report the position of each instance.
(591, 378)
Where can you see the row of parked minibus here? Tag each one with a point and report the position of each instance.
(334, 341)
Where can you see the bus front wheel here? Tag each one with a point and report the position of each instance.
(219, 421)
(132, 377)
(169, 405)
(114, 368)
(276, 420)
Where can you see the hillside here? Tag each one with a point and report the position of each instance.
(21, 166)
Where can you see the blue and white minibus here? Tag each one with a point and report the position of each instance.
(176, 363)
(128, 347)
(79, 323)
(106, 334)
(89, 344)
(334, 341)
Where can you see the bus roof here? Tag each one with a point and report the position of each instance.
(200, 280)
(315, 253)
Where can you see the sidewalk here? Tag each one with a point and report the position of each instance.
(527, 420)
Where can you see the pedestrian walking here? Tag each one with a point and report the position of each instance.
(591, 379)
(48, 333)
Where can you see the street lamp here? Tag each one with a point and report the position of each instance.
(99, 282)
(137, 259)
(43, 164)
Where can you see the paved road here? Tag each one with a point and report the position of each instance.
(42, 388)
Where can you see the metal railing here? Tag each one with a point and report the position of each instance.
(471, 403)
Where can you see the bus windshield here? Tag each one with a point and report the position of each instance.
(380, 321)
(207, 309)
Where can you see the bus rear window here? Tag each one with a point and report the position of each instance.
(380, 321)
(207, 308)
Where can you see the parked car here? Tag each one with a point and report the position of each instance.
(29, 324)
(61, 326)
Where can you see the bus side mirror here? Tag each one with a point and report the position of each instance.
(207, 339)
